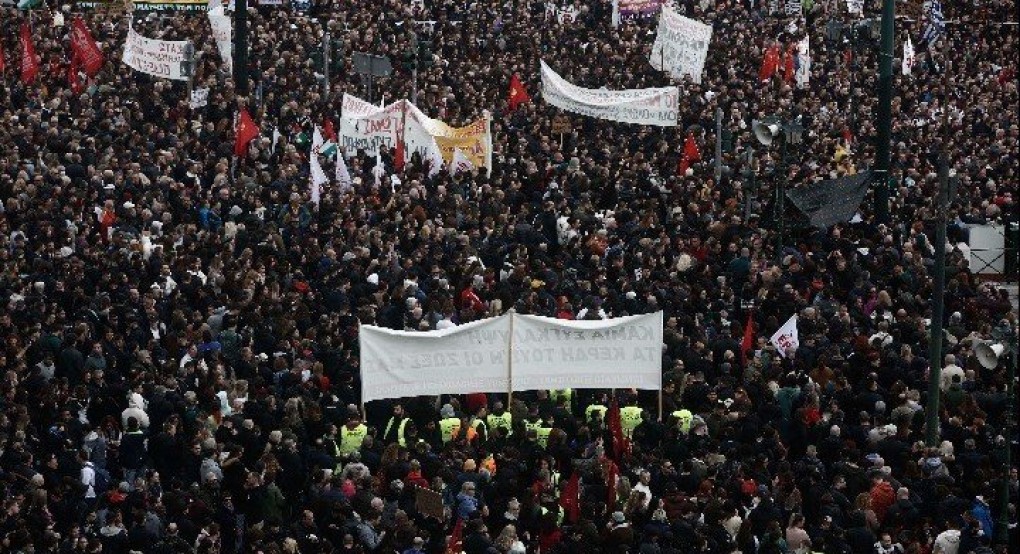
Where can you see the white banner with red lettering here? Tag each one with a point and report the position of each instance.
(786, 337)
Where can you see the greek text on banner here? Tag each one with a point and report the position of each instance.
(649, 106)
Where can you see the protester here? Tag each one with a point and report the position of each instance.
(180, 361)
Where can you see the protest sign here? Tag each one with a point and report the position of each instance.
(786, 337)
(159, 58)
(553, 353)
(650, 106)
(460, 360)
(171, 5)
(199, 98)
(221, 31)
(428, 502)
(681, 45)
(637, 8)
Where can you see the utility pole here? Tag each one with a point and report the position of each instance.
(931, 436)
(718, 145)
(781, 198)
(325, 59)
(241, 47)
(1002, 526)
(885, 92)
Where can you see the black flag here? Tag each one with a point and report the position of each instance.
(830, 202)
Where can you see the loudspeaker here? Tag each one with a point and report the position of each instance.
(765, 132)
(988, 354)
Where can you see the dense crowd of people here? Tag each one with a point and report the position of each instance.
(180, 325)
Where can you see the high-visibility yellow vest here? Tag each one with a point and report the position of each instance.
(684, 418)
(400, 430)
(595, 408)
(350, 439)
(543, 436)
(556, 395)
(532, 425)
(449, 428)
(505, 420)
(630, 418)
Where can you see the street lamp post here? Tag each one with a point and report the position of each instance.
(767, 131)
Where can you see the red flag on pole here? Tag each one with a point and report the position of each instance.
(748, 341)
(328, 130)
(616, 430)
(29, 61)
(770, 63)
(85, 48)
(246, 132)
(691, 154)
(72, 76)
(789, 64)
(455, 544)
(518, 94)
(570, 498)
(3, 63)
(398, 158)
(612, 473)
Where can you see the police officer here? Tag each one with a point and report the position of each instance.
(396, 427)
(352, 434)
(630, 418)
(449, 423)
(500, 418)
(533, 421)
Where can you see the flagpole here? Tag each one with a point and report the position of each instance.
(885, 93)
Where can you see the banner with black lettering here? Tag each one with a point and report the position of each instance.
(461, 360)
(830, 202)
(646, 106)
(624, 352)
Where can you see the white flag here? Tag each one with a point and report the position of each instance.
(908, 57)
(343, 177)
(316, 174)
(803, 74)
(616, 14)
(786, 337)
(460, 162)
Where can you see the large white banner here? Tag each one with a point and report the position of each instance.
(648, 106)
(159, 58)
(624, 352)
(681, 45)
(460, 360)
(221, 31)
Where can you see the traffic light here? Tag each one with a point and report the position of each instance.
(337, 56)
(409, 60)
(316, 55)
(727, 140)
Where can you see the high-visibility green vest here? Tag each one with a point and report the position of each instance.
(684, 418)
(350, 439)
(595, 408)
(543, 435)
(401, 440)
(556, 395)
(529, 425)
(505, 420)
(630, 418)
(449, 427)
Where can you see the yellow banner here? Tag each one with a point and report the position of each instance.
(473, 141)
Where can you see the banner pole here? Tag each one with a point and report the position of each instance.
(660, 403)
(510, 361)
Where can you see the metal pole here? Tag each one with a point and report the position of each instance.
(325, 59)
(241, 47)
(781, 197)
(1003, 524)
(884, 116)
(370, 101)
(414, 84)
(931, 437)
(718, 145)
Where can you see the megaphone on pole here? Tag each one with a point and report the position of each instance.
(988, 354)
(765, 131)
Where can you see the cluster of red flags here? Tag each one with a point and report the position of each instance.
(774, 62)
(518, 94)
(691, 154)
(86, 55)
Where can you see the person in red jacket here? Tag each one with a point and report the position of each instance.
(882, 495)
(469, 300)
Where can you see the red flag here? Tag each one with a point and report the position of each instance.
(789, 67)
(612, 472)
(85, 48)
(246, 132)
(455, 544)
(748, 341)
(328, 131)
(616, 430)
(848, 56)
(29, 61)
(3, 63)
(691, 154)
(398, 158)
(847, 135)
(570, 498)
(770, 63)
(72, 76)
(518, 94)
